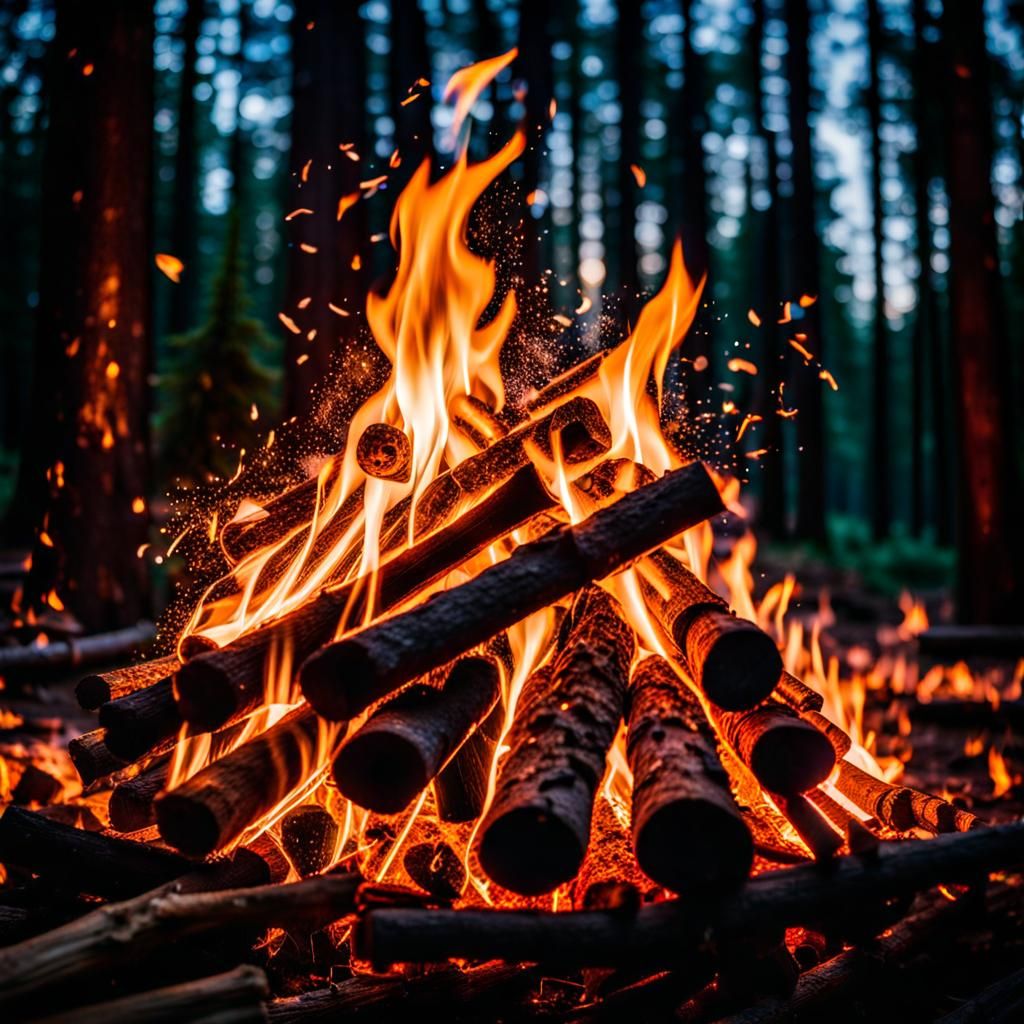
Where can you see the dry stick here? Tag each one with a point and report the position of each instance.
(131, 802)
(402, 747)
(141, 721)
(235, 996)
(217, 804)
(384, 452)
(92, 757)
(75, 653)
(95, 690)
(663, 932)
(785, 754)
(687, 830)
(815, 830)
(345, 677)
(735, 663)
(123, 934)
(309, 835)
(225, 685)
(536, 832)
(797, 694)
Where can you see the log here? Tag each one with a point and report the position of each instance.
(536, 832)
(140, 722)
(384, 452)
(962, 641)
(460, 789)
(735, 664)
(309, 836)
(211, 809)
(223, 686)
(662, 933)
(347, 676)
(610, 877)
(92, 757)
(81, 861)
(95, 690)
(797, 694)
(77, 652)
(235, 996)
(1002, 1001)
(123, 935)
(687, 831)
(436, 868)
(475, 420)
(785, 754)
(814, 829)
(131, 802)
(968, 714)
(401, 748)
(891, 806)
(841, 743)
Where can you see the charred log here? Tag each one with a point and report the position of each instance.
(687, 831)
(142, 721)
(349, 675)
(131, 802)
(79, 652)
(797, 694)
(92, 757)
(309, 836)
(384, 452)
(460, 788)
(814, 829)
(96, 690)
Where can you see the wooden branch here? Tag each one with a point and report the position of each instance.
(687, 831)
(536, 832)
(785, 754)
(384, 452)
(797, 694)
(735, 664)
(661, 933)
(345, 677)
(816, 831)
(216, 999)
(217, 804)
(400, 749)
(95, 690)
(79, 652)
(92, 757)
(141, 722)
(123, 935)
(131, 802)
(309, 836)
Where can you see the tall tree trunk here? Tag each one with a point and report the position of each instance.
(629, 57)
(810, 421)
(95, 324)
(767, 290)
(990, 576)
(329, 94)
(881, 440)
(184, 245)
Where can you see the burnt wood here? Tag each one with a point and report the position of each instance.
(384, 452)
(345, 677)
(460, 788)
(92, 757)
(687, 830)
(309, 836)
(78, 652)
(401, 748)
(797, 694)
(814, 829)
(95, 690)
(841, 742)
(537, 830)
(142, 721)
(131, 802)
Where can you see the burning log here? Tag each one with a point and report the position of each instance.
(687, 831)
(961, 641)
(436, 868)
(460, 789)
(785, 754)
(131, 802)
(217, 804)
(347, 676)
(858, 834)
(661, 933)
(92, 757)
(142, 721)
(235, 996)
(404, 744)
(384, 452)
(475, 419)
(841, 743)
(225, 685)
(123, 934)
(1000, 1003)
(309, 836)
(536, 833)
(814, 829)
(735, 664)
(96, 690)
(610, 878)
(797, 694)
(75, 652)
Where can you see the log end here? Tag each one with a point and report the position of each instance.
(336, 680)
(530, 852)
(206, 699)
(187, 825)
(737, 665)
(91, 692)
(380, 771)
(695, 846)
(792, 757)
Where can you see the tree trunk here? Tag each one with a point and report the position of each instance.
(989, 547)
(881, 440)
(97, 333)
(185, 297)
(810, 423)
(329, 94)
(629, 42)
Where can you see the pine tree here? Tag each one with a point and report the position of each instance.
(214, 379)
